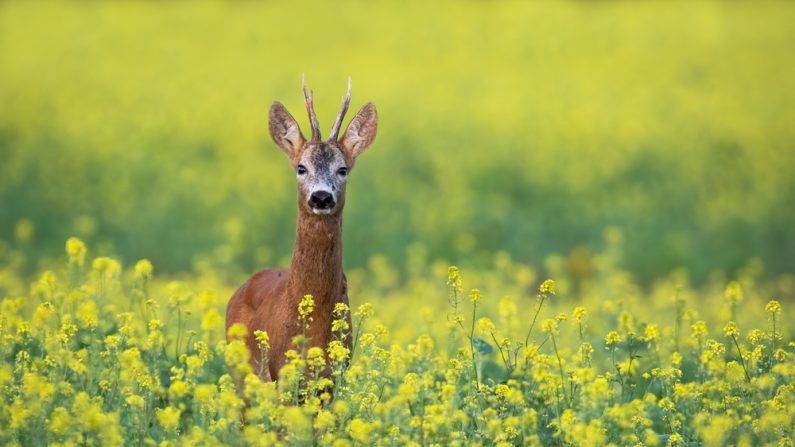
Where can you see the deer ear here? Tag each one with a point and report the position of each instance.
(361, 131)
(284, 130)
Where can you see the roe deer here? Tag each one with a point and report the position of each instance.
(268, 301)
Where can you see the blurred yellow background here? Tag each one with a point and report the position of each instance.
(638, 154)
(534, 128)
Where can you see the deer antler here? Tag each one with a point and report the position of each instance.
(310, 109)
(335, 129)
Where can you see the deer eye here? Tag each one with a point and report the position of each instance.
(301, 170)
(342, 172)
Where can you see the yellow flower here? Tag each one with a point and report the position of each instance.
(324, 420)
(364, 310)
(360, 431)
(76, 250)
(585, 350)
(486, 326)
(105, 265)
(36, 388)
(237, 331)
(730, 330)
(155, 325)
(135, 400)
(547, 287)
(339, 326)
(773, 307)
(410, 386)
(474, 295)
(651, 333)
(43, 315)
(48, 279)
(733, 292)
(296, 421)
(212, 320)
(168, 418)
(626, 323)
(177, 389)
(143, 269)
(501, 390)
(236, 356)
(88, 315)
(612, 339)
(454, 277)
(676, 440)
(204, 393)
(341, 309)
(337, 352)
(666, 404)
(698, 329)
(561, 317)
(340, 408)
(306, 306)
(549, 326)
(112, 342)
(178, 294)
(367, 339)
(579, 314)
(315, 357)
(60, 422)
(755, 336)
(262, 339)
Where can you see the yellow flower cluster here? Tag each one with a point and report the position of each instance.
(105, 368)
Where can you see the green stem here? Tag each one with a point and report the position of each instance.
(502, 354)
(560, 366)
(618, 370)
(535, 317)
(472, 345)
(356, 338)
(179, 333)
(742, 361)
(526, 360)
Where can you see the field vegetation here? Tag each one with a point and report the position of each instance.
(613, 181)
(141, 128)
(98, 354)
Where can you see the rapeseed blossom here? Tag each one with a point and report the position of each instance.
(143, 269)
(773, 307)
(168, 418)
(612, 339)
(733, 292)
(548, 287)
(100, 368)
(579, 314)
(76, 250)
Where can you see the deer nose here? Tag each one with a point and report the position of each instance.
(321, 200)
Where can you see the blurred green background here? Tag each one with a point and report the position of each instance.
(534, 128)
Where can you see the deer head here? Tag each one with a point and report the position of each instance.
(322, 167)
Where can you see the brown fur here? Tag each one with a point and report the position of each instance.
(268, 301)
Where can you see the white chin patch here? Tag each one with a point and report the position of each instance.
(321, 211)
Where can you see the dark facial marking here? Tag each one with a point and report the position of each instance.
(322, 157)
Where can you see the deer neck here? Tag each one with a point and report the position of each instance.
(316, 268)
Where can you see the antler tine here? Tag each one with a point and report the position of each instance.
(310, 109)
(335, 129)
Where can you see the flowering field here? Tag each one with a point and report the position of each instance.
(521, 126)
(97, 354)
(614, 181)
